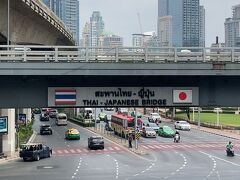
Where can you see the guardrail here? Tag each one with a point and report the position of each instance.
(66, 54)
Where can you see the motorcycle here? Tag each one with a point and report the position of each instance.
(176, 138)
(230, 152)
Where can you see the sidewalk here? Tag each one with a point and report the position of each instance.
(234, 134)
(120, 141)
(16, 154)
(7, 159)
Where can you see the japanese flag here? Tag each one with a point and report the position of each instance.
(182, 96)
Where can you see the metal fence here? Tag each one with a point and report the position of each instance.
(64, 54)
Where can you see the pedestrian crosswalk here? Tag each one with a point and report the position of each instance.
(184, 146)
(85, 151)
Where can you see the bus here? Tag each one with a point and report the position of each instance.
(123, 124)
(61, 119)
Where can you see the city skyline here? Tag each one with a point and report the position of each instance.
(117, 20)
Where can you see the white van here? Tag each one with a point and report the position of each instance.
(61, 119)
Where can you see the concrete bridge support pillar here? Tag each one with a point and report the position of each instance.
(8, 140)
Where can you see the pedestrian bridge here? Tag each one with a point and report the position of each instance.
(27, 72)
(32, 22)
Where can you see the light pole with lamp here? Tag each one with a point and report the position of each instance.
(8, 22)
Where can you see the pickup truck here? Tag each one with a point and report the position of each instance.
(34, 151)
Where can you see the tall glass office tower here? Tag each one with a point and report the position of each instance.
(96, 28)
(185, 15)
(68, 11)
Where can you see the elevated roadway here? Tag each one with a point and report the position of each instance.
(32, 22)
(26, 72)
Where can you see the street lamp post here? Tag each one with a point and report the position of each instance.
(8, 20)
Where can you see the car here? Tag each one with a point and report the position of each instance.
(155, 117)
(95, 142)
(217, 110)
(166, 131)
(45, 111)
(88, 113)
(44, 117)
(102, 116)
(139, 115)
(53, 113)
(109, 109)
(45, 129)
(36, 111)
(123, 110)
(34, 151)
(148, 132)
(72, 133)
(153, 126)
(182, 125)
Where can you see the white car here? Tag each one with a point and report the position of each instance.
(149, 132)
(183, 125)
(155, 117)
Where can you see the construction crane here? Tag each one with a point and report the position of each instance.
(139, 22)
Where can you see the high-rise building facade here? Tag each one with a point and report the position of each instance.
(165, 31)
(85, 41)
(202, 26)
(110, 40)
(96, 28)
(68, 11)
(232, 28)
(185, 20)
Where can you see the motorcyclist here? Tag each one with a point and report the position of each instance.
(229, 146)
(177, 133)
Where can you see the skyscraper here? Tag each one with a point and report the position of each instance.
(185, 15)
(202, 26)
(68, 11)
(232, 28)
(96, 28)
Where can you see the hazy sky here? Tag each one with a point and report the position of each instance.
(120, 16)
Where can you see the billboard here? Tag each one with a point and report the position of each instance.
(22, 118)
(3, 124)
(123, 96)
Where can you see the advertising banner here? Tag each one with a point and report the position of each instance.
(123, 96)
(22, 118)
(3, 124)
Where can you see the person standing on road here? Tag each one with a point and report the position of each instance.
(130, 138)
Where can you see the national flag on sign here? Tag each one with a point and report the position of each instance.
(182, 96)
(65, 97)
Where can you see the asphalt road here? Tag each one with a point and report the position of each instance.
(199, 155)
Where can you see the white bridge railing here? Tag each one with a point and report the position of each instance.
(39, 54)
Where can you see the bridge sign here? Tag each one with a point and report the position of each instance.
(123, 96)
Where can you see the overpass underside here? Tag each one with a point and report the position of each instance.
(30, 24)
(32, 91)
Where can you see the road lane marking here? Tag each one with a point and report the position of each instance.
(72, 151)
(65, 151)
(78, 150)
(59, 151)
(235, 164)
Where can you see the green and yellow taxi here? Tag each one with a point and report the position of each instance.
(72, 133)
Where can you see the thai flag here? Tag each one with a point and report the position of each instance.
(65, 97)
